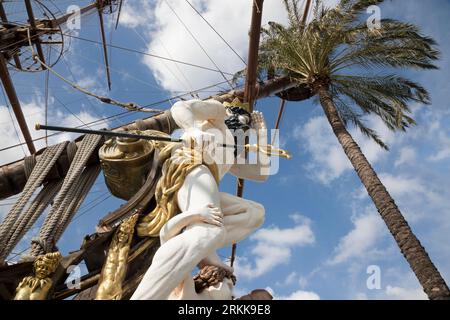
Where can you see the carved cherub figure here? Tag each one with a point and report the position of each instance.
(37, 287)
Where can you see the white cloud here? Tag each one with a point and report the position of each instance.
(399, 293)
(289, 280)
(136, 14)
(407, 156)
(328, 160)
(167, 37)
(296, 236)
(361, 296)
(273, 247)
(301, 295)
(296, 295)
(293, 278)
(399, 185)
(443, 147)
(416, 196)
(34, 113)
(366, 232)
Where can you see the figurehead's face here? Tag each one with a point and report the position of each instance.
(123, 234)
(238, 118)
(41, 270)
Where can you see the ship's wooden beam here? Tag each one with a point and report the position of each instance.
(253, 48)
(15, 104)
(250, 81)
(105, 49)
(4, 19)
(64, 18)
(32, 22)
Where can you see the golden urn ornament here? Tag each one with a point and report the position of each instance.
(126, 163)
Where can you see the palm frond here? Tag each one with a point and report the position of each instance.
(335, 42)
(347, 114)
(385, 96)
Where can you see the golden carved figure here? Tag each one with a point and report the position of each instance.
(115, 267)
(37, 287)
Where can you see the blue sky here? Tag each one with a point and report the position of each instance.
(322, 231)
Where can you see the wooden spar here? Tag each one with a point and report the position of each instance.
(250, 81)
(105, 50)
(32, 23)
(12, 175)
(255, 32)
(306, 12)
(4, 19)
(118, 13)
(63, 19)
(15, 104)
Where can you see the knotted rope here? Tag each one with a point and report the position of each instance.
(34, 211)
(68, 199)
(37, 176)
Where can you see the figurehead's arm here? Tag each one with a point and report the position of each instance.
(254, 172)
(188, 114)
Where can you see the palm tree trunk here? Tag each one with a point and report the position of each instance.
(427, 274)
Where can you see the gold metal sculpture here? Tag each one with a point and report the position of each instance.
(36, 287)
(115, 267)
(126, 163)
(269, 150)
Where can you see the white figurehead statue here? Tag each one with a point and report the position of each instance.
(207, 219)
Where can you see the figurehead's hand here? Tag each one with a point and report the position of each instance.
(258, 121)
(198, 139)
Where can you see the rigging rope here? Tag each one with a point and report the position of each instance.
(209, 24)
(131, 106)
(27, 220)
(150, 55)
(84, 97)
(69, 197)
(40, 171)
(86, 182)
(198, 43)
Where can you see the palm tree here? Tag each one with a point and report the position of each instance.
(339, 59)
